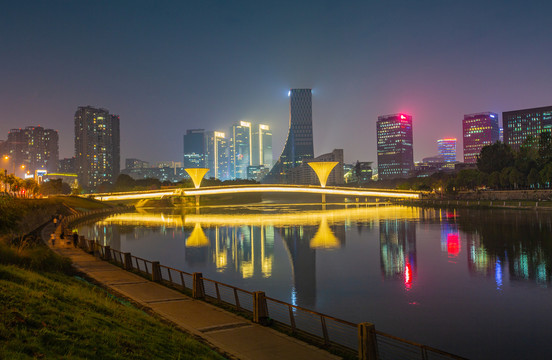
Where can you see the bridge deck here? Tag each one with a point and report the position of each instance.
(218, 190)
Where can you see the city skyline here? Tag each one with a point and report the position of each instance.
(171, 68)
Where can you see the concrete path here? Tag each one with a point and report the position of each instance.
(228, 333)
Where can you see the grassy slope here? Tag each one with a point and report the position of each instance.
(53, 315)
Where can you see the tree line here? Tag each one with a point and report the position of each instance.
(499, 167)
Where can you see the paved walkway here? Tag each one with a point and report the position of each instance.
(228, 333)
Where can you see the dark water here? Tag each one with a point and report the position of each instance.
(476, 283)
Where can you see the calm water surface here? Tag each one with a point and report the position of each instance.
(472, 282)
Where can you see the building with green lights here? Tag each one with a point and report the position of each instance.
(520, 124)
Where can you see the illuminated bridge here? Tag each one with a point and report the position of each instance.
(258, 188)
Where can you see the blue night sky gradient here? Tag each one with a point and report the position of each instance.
(165, 67)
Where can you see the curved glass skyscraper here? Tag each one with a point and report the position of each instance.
(299, 143)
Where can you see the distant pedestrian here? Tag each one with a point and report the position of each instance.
(75, 239)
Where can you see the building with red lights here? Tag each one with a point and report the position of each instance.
(395, 152)
(478, 130)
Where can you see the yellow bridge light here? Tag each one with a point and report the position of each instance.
(197, 238)
(197, 175)
(323, 170)
(324, 237)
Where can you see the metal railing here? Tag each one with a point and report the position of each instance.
(321, 329)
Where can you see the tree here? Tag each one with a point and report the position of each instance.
(124, 183)
(545, 149)
(495, 157)
(358, 171)
(516, 178)
(533, 178)
(494, 180)
(546, 175)
(467, 179)
(53, 187)
(505, 177)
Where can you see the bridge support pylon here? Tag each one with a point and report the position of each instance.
(323, 170)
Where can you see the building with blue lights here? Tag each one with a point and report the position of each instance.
(447, 149)
(240, 150)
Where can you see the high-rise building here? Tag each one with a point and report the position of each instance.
(67, 166)
(478, 130)
(262, 146)
(217, 155)
(34, 147)
(97, 146)
(240, 149)
(520, 124)
(194, 148)
(304, 174)
(132, 163)
(395, 153)
(299, 143)
(447, 149)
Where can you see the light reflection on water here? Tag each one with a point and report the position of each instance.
(464, 281)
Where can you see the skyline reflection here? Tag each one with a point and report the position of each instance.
(245, 241)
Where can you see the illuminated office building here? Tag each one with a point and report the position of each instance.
(447, 149)
(217, 155)
(299, 143)
(240, 150)
(34, 147)
(97, 146)
(520, 124)
(395, 153)
(194, 148)
(261, 145)
(478, 130)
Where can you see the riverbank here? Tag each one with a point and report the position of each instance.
(48, 311)
(491, 204)
(53, 315)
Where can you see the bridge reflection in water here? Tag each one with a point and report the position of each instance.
(245, 242)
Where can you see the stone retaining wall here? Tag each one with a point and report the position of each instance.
(533, 195)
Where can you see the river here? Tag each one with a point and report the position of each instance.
(476, 283)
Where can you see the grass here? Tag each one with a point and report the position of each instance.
(55, 316)
(81, 204)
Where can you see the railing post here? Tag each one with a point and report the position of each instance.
(367, 343)
(155, 271)
(107, 253)
(128, 261)
(260, 310)
(198, 289)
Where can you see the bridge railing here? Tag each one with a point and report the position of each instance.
(325, 330)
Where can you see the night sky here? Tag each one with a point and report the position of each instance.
(165, 67)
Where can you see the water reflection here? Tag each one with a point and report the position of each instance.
(498, 244)
(398, 251)
(518, 240)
